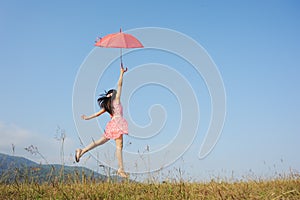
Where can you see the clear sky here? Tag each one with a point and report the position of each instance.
(254, 44)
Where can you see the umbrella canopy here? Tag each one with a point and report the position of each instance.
(119, 40)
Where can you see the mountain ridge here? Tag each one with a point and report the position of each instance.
(16, 168)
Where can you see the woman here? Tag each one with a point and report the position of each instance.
(115, 128)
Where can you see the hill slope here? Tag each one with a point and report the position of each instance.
(13, 168)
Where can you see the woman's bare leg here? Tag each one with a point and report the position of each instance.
(80, 152)
(119, 149)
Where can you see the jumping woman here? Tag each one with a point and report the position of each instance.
(115, 128)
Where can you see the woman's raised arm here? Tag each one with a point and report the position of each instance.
(120, 83)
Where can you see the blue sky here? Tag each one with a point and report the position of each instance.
(255, 45)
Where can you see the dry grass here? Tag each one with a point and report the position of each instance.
(285, 188)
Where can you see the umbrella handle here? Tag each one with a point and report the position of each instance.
(121, 57)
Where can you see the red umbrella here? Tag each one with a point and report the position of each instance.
(119, 40)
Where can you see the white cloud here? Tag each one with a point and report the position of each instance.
(13, 135)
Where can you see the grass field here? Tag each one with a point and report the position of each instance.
(283, 188)
(23, 179)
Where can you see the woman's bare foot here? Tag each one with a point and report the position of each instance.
(121, 173)
(77, 154)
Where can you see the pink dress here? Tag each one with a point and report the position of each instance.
(117, 125)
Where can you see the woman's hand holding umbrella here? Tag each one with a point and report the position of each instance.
(123, 69)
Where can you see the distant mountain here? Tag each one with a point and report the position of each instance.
(19, 169)
(9, 162)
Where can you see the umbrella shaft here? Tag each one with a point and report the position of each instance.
(121, 56)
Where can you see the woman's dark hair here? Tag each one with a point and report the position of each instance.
(106, 102)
